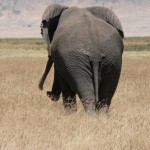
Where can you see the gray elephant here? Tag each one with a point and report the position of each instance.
(86, 46)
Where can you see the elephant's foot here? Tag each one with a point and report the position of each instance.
(89, 105)
(70, 104)
(53, 97)
(70, 109)
(102, 105)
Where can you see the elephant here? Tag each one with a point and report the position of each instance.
(86, 47)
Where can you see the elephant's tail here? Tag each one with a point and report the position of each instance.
(96, 66)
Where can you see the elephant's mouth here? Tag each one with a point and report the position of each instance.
(44, 31)
(45, 36)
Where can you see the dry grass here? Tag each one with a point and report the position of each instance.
(29, 120)
(22, 44)
(137, 44)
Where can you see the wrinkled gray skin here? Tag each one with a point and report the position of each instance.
(86, 47)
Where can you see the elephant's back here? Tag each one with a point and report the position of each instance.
(80, 32)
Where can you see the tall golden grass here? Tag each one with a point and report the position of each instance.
(29, 120)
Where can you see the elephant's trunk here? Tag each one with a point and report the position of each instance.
(45, 73)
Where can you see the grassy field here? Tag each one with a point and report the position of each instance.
(29, 120)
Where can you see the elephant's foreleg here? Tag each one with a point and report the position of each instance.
(56, 88)
(69, 96)
(69, 102)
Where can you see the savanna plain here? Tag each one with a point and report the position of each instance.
(29, 120)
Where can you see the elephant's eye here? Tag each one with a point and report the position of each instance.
(44, 23)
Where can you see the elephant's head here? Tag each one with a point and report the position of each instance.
(49, 24)
(108, 16)
(50, 21)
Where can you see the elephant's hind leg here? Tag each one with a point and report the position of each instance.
(69, 96)
(107, 88)
(85, 90)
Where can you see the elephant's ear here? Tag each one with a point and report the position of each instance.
(108, 16)
(50, 20)
(53, 11)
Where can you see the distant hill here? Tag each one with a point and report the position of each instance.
(21, 18)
